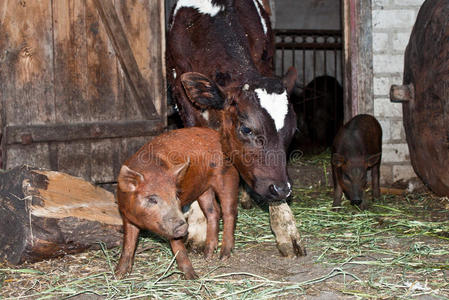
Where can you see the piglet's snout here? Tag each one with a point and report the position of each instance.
(180, 228)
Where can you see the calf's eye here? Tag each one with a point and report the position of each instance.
(245, 130)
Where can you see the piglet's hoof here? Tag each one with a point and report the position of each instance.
(225, 254)
(122, 271)
(209, 254)
(336, 208)
(190, 274)
(364, 205)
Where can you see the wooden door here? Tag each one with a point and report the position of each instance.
(82, 83)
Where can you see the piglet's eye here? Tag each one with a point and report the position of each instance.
(152, 199)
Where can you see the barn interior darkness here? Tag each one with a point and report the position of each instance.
(308, 36)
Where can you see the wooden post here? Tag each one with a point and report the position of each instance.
(358, 57)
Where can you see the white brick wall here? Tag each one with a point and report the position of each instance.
(393, 21)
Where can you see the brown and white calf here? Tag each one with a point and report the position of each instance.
(168, 173)
(220, 66)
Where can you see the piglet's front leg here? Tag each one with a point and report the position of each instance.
(125, 263)
(184, 264)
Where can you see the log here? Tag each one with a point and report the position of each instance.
(46, 214)
(392, 191)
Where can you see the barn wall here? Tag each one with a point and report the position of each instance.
(392, 24)
(307, 14)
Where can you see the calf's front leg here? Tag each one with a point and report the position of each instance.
(284, 228)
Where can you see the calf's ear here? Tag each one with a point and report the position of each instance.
(128, 179)
(373, 159)
(202, 91)
(289, 79)
(338, 160)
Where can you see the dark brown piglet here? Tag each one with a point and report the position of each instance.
(173, 170)
(357, 148)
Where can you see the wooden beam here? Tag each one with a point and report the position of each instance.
(358, 58)
(402, 93)
(116, 33)
(27, 134)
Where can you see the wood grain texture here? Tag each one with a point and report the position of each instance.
(48, 214)
(70, 64)
(60, 74)
(26, 72)
(358, 58)
(126, 57)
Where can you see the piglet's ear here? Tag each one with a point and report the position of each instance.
(128, 179)
(289, 79)
(179, 171)
(202, 91)
(338, 160)
(373, 160)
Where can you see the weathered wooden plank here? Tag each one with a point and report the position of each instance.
(74, 158)
(25, 134)
(27, 58)
(46, 214)
(105, 153)
(358, 58)
(135, 17)
(70, 63)
(102, 69)
(126, 57)
(157, 77)
(33, 155)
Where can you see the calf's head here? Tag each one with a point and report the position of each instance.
(148, 199)
(351, 174)
(256, 124)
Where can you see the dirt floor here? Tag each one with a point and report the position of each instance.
(397, 249)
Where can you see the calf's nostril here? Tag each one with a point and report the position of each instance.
(274, 190)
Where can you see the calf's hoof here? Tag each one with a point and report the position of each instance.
(245, 199)
(293, 249)
(284, 228)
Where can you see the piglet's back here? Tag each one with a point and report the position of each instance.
(362, 135)
(201, 146)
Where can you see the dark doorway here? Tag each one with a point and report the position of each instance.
(309, 37)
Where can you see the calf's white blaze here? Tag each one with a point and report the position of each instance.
(275, 104)
(203, 6)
